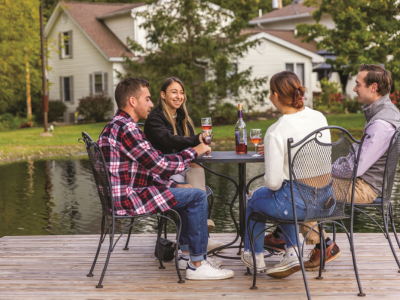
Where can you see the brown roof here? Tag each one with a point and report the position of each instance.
(287, 35)
(85, 14)
(288, 10)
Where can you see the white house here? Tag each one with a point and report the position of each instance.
(88, 41)
(287, 18)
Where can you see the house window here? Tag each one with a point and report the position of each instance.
(65, 44)
(98, 83)
(298, 69)
(66, 89)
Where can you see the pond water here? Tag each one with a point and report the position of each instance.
(59, 197)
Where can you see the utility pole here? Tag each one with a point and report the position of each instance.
(45, 99)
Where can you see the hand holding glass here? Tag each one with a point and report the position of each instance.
(207, 138)
(256, 136)
(206, 123)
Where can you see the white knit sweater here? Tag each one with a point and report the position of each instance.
(295, 126)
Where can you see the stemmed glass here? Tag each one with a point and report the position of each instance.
(207, 138)
(256, 136)
(206, 123)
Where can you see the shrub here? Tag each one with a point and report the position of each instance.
(95, 107)
(351, 105)
(57, 109)
(7, 121)
(224, 113)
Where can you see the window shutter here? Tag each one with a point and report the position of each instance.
(71, 88)
(105, 86)
(61, 89)
(59, 45)
(70, 41)
(91, 84)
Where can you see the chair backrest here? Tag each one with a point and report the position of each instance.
(322, 166)
(392, 159)
(100, 173)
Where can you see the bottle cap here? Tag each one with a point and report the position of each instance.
(239, 106)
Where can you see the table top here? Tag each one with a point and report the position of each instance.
(229, 157)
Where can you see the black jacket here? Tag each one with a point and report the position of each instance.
(160, 133)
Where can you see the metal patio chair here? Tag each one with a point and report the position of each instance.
(323, 191)
(109, 218)
(383, 204)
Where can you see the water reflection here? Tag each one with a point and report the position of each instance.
(59, 197)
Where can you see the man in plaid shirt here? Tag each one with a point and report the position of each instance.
(139, 178)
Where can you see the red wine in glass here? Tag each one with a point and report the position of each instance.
(206, 127)
(206, 123)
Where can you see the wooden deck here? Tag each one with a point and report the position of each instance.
(55, 267)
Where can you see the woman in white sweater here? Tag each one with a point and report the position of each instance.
(297, 121)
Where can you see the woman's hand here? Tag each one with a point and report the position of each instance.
(201, 138)
(261, 149)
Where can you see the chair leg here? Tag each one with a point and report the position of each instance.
(160, 227)
(334, 232)
(322, 256)
(388, 236)
(392, 224)
(353, 254)
(108, 257)
(250, 233)
(129, 235)
(178, 234)
(300, 257)
(98, 247)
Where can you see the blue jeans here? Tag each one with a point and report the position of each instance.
(192, 208)
(276, 204)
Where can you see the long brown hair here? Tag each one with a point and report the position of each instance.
(167, 82)
(289, 89)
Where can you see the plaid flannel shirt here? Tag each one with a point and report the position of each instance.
(138, 172)
(375, 145)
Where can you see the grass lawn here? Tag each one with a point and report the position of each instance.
(27, 144)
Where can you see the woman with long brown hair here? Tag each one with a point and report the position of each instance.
(170, 129)
(297, 121)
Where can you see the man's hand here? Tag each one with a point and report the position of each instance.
(261, 149)
(201, 149)
(183, 186)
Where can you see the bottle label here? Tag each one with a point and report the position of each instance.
(241, 137)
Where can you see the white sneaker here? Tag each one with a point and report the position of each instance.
(288, 265)
(183, 261)
(212, 244)
(247, 260)
(207, 271)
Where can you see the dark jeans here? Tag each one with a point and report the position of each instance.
(276, 204)
(192, 208)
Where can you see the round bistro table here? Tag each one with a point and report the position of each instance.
(241, 160)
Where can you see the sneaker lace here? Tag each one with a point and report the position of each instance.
(282, 256)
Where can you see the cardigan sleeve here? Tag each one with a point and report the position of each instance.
(155, 129)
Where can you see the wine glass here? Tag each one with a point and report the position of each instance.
(206, 123)
(256, 136)
(207, 136)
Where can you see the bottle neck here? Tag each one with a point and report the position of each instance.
(240, 114)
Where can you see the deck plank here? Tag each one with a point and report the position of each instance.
(55, 267)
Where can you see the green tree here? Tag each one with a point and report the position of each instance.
(19, 44)
(200, 44)
(366, 32)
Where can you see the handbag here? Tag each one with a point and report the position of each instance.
(166, 249)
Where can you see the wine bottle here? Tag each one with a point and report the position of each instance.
(240, 133)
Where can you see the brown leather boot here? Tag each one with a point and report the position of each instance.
(332, 252)
(274, 243)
